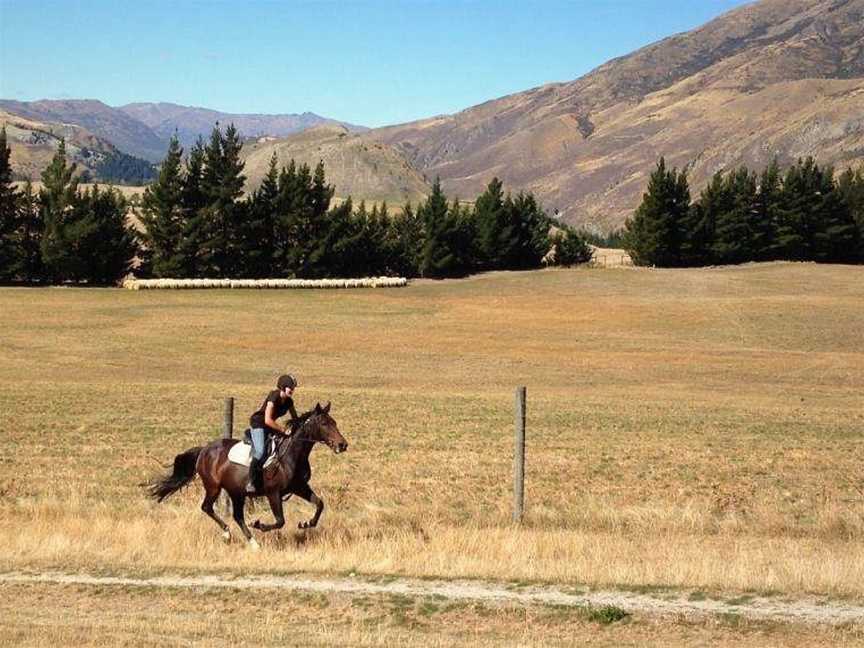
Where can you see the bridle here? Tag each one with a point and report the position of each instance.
(285, 443)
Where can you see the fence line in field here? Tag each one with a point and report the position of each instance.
(180, 284)
(612, 260)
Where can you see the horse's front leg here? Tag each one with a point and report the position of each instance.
(275, 500)
(309, 495)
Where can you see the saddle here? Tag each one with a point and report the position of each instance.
(241, 453)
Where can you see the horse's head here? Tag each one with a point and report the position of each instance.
(326, 430)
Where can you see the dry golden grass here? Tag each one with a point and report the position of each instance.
(696, 428)
(88, 616)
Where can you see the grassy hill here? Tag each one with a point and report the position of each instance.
(356, 167)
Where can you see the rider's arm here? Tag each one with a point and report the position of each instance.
(269, 422)
(293, 411)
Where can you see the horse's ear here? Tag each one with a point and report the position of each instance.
(326, 408)
(317, 408)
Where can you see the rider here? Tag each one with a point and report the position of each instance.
(263, 423)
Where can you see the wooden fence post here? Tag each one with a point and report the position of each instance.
(228, 418)
(227, 433)
(519, 457)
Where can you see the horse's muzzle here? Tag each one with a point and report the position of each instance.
(340, 447)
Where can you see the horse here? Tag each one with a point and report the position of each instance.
(288, 475)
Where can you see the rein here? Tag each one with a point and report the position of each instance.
(285, 443)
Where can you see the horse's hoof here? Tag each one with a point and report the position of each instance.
(226, 536)
(253, 545)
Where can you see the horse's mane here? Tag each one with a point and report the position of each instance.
(297, 423)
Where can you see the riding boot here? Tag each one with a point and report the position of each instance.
(253, 485)
(259, 477)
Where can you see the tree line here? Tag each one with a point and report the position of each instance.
(802, 214)
(61, 233)
(197, 222)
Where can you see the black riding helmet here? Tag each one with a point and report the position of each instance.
(286, 381)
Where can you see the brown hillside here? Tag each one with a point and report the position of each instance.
(357, 167)
(110, 124)
(778, 78)
(33, 143)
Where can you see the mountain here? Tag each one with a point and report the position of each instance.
(124, 132)
(144, 129)
(780, 78)
(190, 122)
(356, 167)
(33, 143)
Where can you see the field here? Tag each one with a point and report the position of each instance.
(692, 429)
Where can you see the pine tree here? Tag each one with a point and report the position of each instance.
(163, 216)
(735, 226)
(257, 232)
(28, 238)
(795, 230)
(317, 207)
(336, 252)
(437, 258)
(10, 253)
(222, 182)
(348, 241)
(104, 244)
(389, 244)
(768, 212)
(321, 193)
(570, 248)
(446, 251)
(653, 236)
(57, 200)
(815, 223)
(374, 237)
(494, 233)
(407, 232)
(302, 231)
(850, 184)
(697, 246)
(464, 238)
(530, 233)
(195, 227)
(837, 238)
(210, 224)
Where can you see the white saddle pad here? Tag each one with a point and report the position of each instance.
(241, 453)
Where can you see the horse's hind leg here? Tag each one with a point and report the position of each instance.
(211, 494)
(238, 503)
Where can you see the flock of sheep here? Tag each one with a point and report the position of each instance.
(175, 284)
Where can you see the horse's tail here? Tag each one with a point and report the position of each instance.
(184, 472)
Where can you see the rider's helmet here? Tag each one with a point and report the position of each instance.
(286, 381)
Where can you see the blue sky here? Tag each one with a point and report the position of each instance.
(369, 63)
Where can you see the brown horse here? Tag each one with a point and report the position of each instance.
(288, 475)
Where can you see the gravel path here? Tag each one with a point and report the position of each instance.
(812, 610)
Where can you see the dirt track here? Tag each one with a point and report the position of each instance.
(812, 610)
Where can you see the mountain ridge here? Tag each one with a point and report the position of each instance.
(585, 147)
(166, 118)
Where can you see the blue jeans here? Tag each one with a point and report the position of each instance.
(259, 437)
